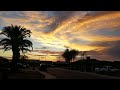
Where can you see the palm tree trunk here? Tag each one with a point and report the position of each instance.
(15, 50)
(15, 58)
(16, 55)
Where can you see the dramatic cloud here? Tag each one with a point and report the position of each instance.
(95, 31)
(111, 50)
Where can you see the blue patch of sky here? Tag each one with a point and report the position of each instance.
(37, 22)
(36, 44)
(49, 13)
(1, 27)
(2, 23)
(12, 14)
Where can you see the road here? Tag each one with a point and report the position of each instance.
(71, 74)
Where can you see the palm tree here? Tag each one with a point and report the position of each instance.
(16, 40)
(67, 55)
(70, 55)
(74, 53)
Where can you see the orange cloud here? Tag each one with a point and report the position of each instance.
(77, 26)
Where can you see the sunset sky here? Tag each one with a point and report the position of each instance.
(95, 31)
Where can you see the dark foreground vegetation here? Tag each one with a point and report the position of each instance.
(17, 41)
(25, 70)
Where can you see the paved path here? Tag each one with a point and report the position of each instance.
(47, 75)
(71, 74)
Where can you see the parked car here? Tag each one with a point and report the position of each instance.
(106, 69)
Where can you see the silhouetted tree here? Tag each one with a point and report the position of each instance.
(74, 53)
(70, 55)
(16, 40)
(67, 55)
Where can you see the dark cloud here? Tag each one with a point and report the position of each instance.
(112, 49)
(94, 13)
(93, 52)
(106, 44)
(104, 32)
(100, 44)
(47, 52)
(79, 41)
(90, 14)
(34, 22)
(60, 16)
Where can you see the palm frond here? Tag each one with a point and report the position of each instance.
(23, 49)
(16, 39)
(5, 41)
(26, 43)
(7, 48)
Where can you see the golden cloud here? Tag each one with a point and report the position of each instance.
(77, 26)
